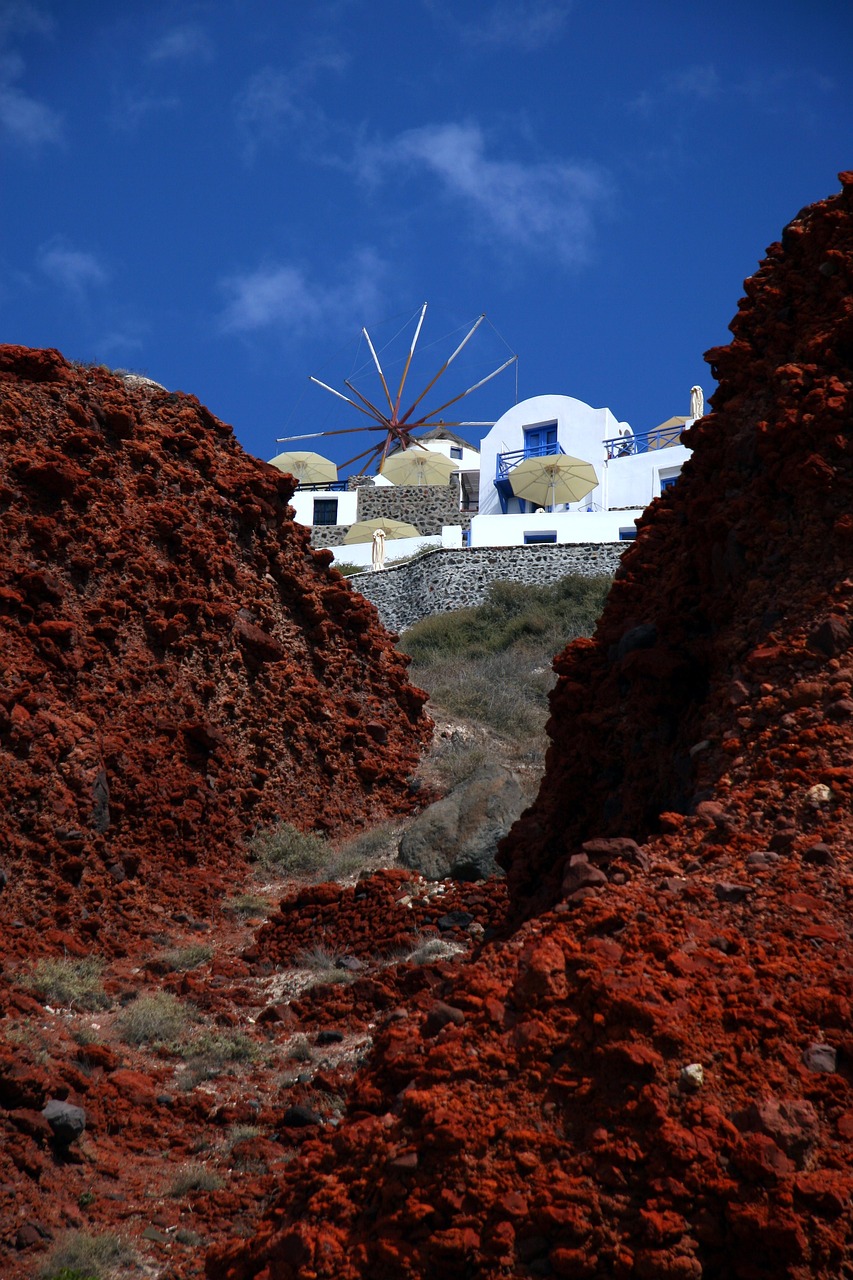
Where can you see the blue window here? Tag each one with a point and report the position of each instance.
(540, 441)
(456, 452)
(666, 482)
(325, 511)
(627, 535)
(549, 535)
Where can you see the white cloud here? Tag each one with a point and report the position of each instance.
(275, 102)
(519, 24)
(182, 44)
(24, 119)
(70, 268)
(283, 296)
(19, 19)
(540, 206)
(773, 92)
(130, 111)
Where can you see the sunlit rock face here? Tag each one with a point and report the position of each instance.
(180, 668)
(648, 1075)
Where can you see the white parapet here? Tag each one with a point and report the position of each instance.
(553, 526)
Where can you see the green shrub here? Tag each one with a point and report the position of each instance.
(181, 959)
(347, 568)
(287, 850)
(195, 1177)
(430, 949)
(317, 958)
(550, 615)
(246, 905)
(353, 854)
(215, 1048)
(79, 1256)
(155, 1019)
(75, 983)
(455, 759)
(242, 1133)
(299, 1050)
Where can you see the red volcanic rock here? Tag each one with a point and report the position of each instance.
(180, 667)
(551, 1132)
(730, 613)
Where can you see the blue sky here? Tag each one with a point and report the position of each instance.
(220, 194)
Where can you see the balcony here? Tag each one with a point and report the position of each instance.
(644, 441)
(507, 462)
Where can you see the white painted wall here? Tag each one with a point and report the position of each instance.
(303, 504)
(580, 430)
(634, 481)
(570, 526)
(395, 549)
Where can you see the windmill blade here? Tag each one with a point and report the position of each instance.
(377, 413)
(373, 451)
(340, 394)
(396, 409)
(379, 371)
(476, 385)
(448, 362)
(340, 431)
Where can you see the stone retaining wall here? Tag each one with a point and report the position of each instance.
(442, 580)
(427, 506)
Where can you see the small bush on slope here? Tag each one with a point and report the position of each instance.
(286, 850)
(75, 983)
(79, 1256)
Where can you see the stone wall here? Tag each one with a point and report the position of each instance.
(426, 506)
(441, 580)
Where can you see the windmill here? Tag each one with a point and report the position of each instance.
(391, 424)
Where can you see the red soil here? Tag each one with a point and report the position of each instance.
(179, 667)
(546, 1125)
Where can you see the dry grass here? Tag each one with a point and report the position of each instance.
(492, 664)
(182, 959)
(194, 1177)
(74, 984)
(246, 906)
(80, 1256)
(155, 1019)
(286, 850)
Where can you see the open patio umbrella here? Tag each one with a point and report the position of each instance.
(308, 468)
(363, 530)
(555, 478)
(418, 466)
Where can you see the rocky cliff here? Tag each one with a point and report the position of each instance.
(651, 1075)
(179, 667)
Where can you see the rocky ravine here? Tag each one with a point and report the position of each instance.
(650, 1076)
(179, 666)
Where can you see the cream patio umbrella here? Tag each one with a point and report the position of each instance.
(552, 479)
(363, 530)
(308, 468)
(417, 466)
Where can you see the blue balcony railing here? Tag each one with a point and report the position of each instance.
(644, 441)
(327, 486)
(507, 462)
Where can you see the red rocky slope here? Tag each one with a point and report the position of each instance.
(651, 1077)
(179, 667)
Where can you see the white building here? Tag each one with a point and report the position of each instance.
(631, 468)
